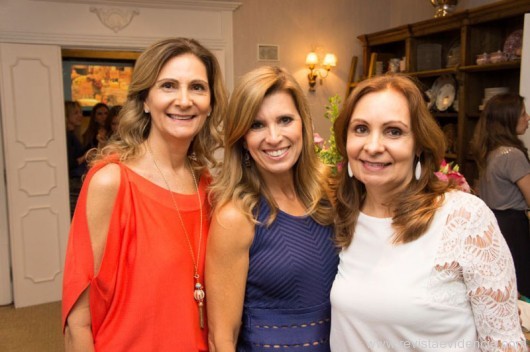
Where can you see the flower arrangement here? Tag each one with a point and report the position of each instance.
(327, 150)
(450, 171)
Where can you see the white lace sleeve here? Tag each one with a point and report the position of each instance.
(489, 276)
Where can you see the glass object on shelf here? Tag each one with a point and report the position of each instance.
(497, 57)
(483, 59)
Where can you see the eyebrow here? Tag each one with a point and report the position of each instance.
(392, 122)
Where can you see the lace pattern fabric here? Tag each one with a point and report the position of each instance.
(473, 266)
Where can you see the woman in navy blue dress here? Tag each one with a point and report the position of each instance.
(270, 258)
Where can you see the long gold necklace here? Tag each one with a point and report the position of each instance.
(198, 293)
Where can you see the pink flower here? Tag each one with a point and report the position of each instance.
(318, 140)
(449, 172)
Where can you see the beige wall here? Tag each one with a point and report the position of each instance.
(298, 26)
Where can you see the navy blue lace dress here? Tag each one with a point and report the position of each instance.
(292, 266)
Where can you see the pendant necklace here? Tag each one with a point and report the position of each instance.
(198, 293)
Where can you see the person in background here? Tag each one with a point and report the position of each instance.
(77, 165)
(270, 258)
(504, 175)
(113, 120)
(96, 133)
(423, 265)
(134, 267)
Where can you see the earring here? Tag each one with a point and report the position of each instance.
(246, 158)
(209, 113)
(417, 171)
(350, 171)
(146, 111)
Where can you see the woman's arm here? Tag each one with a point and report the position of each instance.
(524, 186)
(489, 275)
(227, 259)
(101, 197)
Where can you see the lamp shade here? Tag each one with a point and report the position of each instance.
(330, 60)
(311, 59)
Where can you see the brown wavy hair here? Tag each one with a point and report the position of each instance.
(414, 208)
(135, 124)
(497, 127)
(243, 185)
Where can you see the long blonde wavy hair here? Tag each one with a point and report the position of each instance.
(244, 185)
(415, 207)
(135, 124)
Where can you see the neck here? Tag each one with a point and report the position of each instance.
(377, 205)
(168, 155)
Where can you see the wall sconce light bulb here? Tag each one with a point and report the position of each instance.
(330, 60)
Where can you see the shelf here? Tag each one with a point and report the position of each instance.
(433, 73)
(512, 65)
(478, 30)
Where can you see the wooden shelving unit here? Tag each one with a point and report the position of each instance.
(475, 31)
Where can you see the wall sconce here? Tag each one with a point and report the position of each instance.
(330, 60)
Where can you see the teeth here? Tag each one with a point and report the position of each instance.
(176, 117)
(277, 152)
(376, 164)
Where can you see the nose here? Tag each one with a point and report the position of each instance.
(374, 143)
(183, 98)
(273, 136)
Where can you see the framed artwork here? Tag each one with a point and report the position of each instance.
(91, 80)
(268, 52)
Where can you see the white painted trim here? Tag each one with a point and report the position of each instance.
(207, 5)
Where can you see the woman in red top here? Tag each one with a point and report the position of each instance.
(135, 260)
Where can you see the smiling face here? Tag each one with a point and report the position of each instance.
(380, 143)
(74, 116)
(275, 138)
(522, 123)
(179, 101)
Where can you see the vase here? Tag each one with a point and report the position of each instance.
(444, 7)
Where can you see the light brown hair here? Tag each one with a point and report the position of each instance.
(497, 127)
(243, 185)
(135, 124)
(414, 208)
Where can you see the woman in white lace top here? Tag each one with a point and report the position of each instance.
(423, 266)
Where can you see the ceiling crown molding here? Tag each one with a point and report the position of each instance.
(212, 5)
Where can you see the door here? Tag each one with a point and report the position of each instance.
(34, 139)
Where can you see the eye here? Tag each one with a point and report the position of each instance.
(394, 132)
(285, 119)
(168, 85)
(200, 87)
(360, 129)
(256, 125)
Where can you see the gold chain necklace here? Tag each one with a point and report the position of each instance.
(198, 293)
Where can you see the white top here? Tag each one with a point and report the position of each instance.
(453, 289)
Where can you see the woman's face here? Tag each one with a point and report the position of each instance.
(75, 117)
(380, 143)
(114, 123)
(275, 138)
(179, 101)
(101, 115)
(522, 123)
